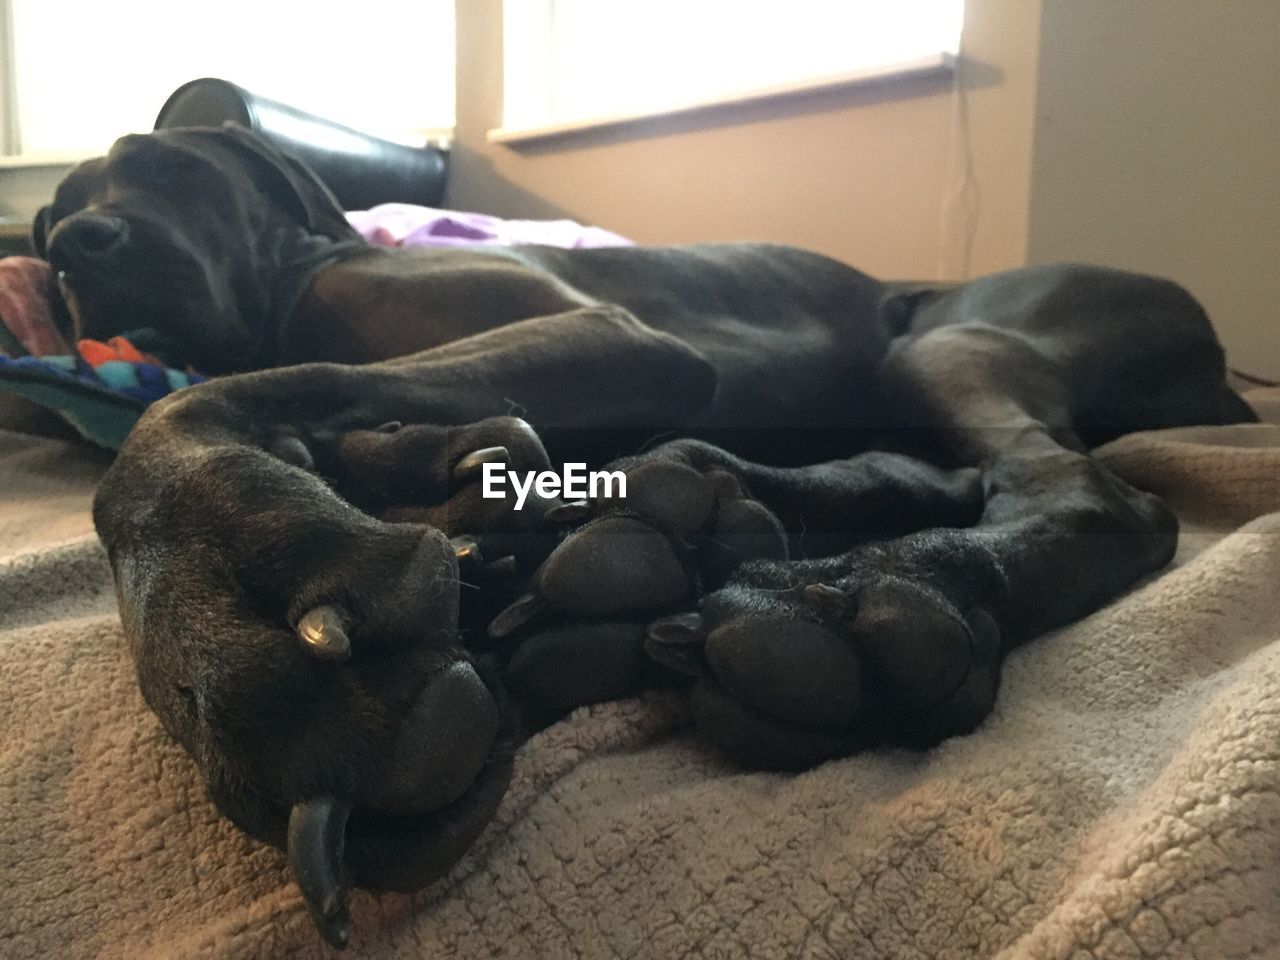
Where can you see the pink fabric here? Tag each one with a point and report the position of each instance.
(27, 287)
(405, 225)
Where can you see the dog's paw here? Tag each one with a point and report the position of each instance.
(422, 473)
(398, 466)
(344, 708)
(578, 631)
(796, 663)
(308, 657)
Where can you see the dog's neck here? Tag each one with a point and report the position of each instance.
(292, 303)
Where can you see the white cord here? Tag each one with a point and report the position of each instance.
(962, 204)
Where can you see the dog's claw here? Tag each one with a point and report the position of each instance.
(570, 512)
(466, 550)
(503, 565)
(677, 642)
(391, 426)
(317, 836)
(828, 598)
(523, 610)
(322, 631)
(293, 450)
(469, 467)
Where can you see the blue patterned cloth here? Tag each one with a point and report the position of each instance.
(103, 402)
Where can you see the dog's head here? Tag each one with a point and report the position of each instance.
(205, 236)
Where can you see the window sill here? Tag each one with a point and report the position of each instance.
(36, 161)
(938, 64)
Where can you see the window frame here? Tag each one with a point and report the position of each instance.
(10, 145)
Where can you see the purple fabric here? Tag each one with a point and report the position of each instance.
(402, 224)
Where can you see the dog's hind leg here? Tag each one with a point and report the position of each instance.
(1063, 358)
(901, 639)
(913, 630)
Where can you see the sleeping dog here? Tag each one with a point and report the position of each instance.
(845, 500)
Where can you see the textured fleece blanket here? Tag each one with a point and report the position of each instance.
(1123, 800)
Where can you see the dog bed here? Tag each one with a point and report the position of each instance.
(1122, 801)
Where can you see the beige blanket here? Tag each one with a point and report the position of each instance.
(1122, 801)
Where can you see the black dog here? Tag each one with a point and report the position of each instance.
(282, 544)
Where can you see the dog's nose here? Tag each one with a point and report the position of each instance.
(86, 238)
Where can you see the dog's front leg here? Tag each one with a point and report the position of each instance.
(304, 651)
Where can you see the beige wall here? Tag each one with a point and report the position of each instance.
(1157, 148)
(1138, 133)
(869, 176)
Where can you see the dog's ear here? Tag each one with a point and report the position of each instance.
(292, 184)
(40, 230)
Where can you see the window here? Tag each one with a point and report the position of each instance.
(77, 74)
(582, 62)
